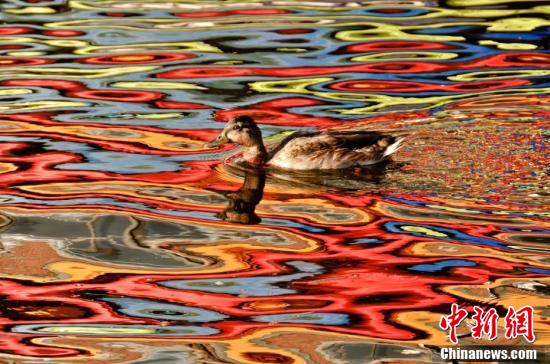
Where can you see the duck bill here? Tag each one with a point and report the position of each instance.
(220, 140)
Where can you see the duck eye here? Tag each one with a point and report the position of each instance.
(236, 127)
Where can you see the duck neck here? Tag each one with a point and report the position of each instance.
(255, 154)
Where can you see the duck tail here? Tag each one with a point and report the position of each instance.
(392, 148)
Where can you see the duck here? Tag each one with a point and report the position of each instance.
(307, 151)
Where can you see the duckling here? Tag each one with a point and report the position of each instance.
(324, 150)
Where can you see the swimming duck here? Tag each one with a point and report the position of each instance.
(324, 150)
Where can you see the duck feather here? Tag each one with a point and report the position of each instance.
(331, 150)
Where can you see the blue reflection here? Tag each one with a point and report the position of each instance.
(317, 318)
(253, 286)
(140, 307)
(439, 266)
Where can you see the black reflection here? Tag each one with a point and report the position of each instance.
(242, 203)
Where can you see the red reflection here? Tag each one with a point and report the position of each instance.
(495, 61)
(393, 46)
(12, 46)
(137, 58)
(273, 112)
(409, 86)
(63, 33)
(366, 284)
(115, 95)
(15, 30)
(179, 105)
(18, 62)
(80, 90)
(294, 31)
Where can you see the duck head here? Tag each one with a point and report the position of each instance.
(242, 131)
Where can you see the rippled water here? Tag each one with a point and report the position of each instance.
(119, 242)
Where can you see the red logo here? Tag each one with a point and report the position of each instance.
(519, 322)
(452, 321)
(516, 323)
(485, 323)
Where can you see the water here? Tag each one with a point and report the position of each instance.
(120, 240)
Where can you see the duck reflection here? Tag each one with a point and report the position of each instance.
(351, 179)
(242, 203)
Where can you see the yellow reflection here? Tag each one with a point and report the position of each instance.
(132, 48)
(37, 105)
(454, 209)
(70, 43)
(389, 32)
(74, 72)
(404, 56)
(498, 75)
(15, 91)
(7, 167)
(31, 10)
(399, 32)
(518, 24)
(161, 116)
(26, 54)
(509, 46)
(423, 230)
(18, 40)
(288, 85)
(296, 50)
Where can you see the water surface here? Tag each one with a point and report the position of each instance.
(119, 241)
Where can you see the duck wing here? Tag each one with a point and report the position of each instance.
(353, 140)
(331, 150)
(288, 139)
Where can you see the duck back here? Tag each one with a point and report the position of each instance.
(332, 150)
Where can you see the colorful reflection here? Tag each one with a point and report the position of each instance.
(125, 240)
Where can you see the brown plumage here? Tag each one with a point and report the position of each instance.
(310, 151)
